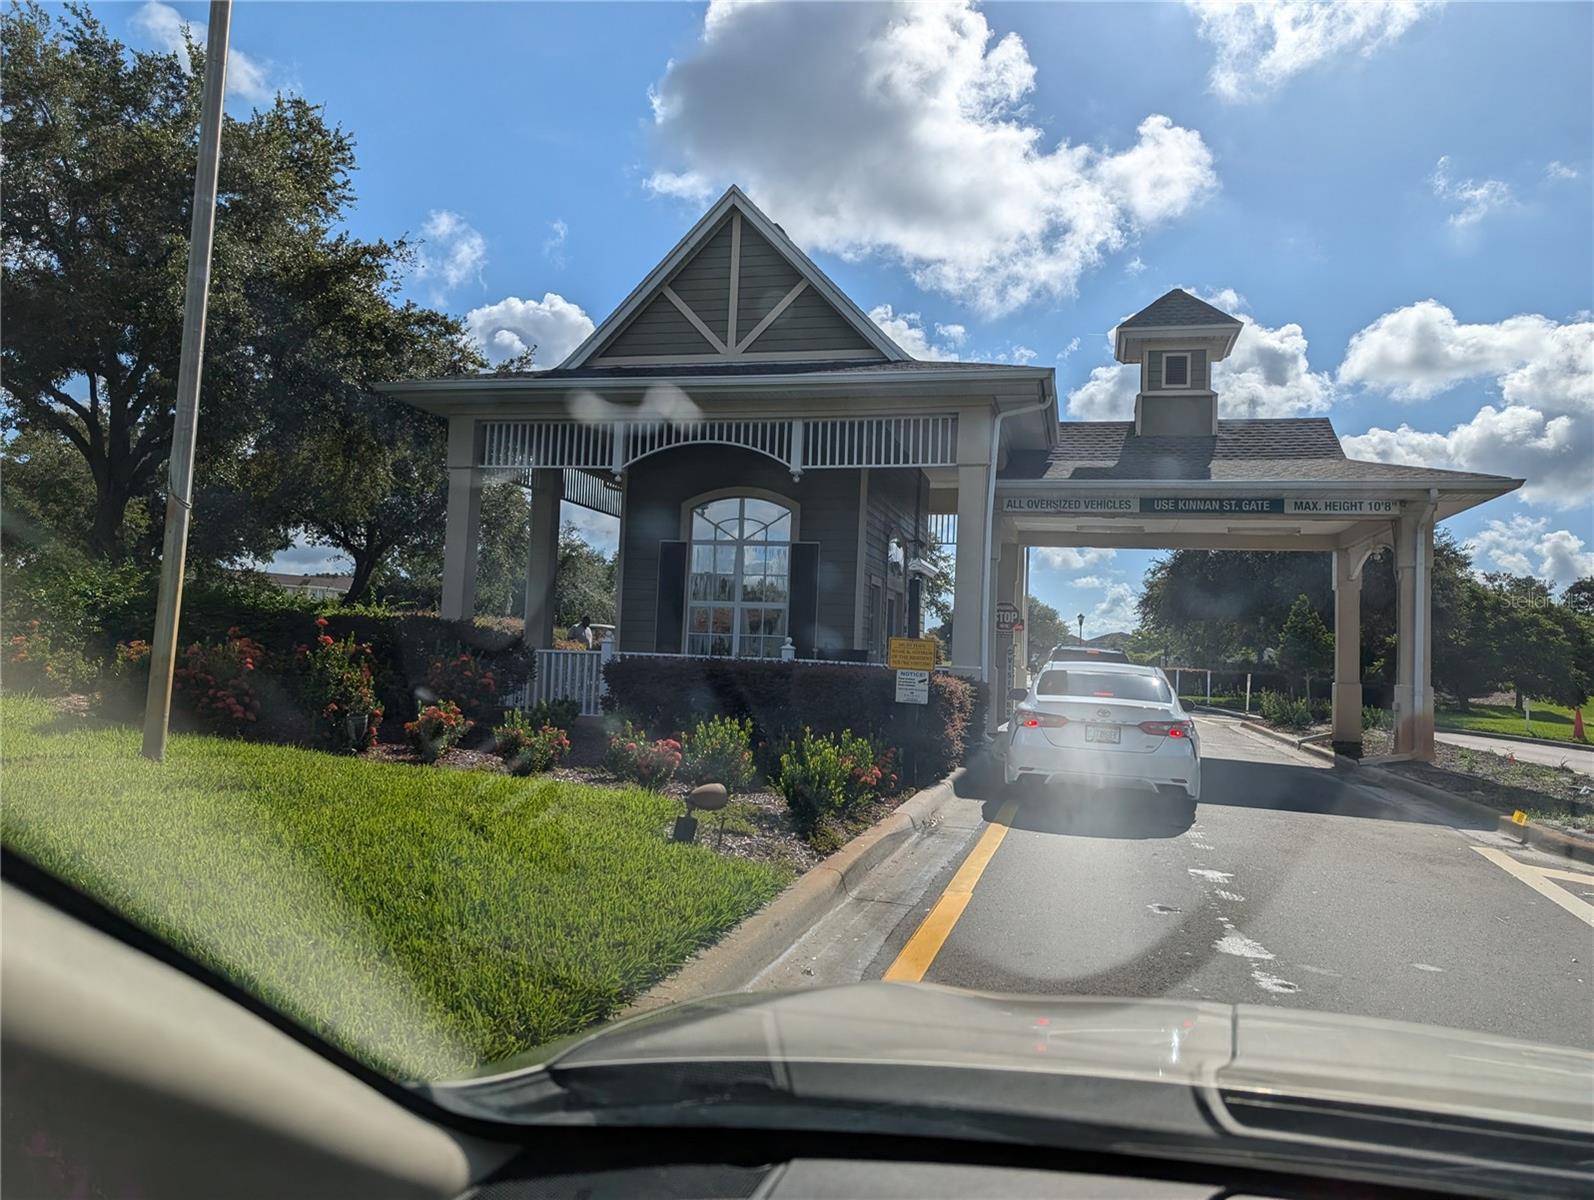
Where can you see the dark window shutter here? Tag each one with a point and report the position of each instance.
(1198, 369)
(804, 610)
(670, 615)
(1153, 370)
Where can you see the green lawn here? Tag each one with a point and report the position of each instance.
(1550, 721)
(427, 920)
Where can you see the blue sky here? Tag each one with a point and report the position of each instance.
(1397, 197)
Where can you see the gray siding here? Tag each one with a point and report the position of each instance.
(766, 277)
(1176, 416)
(705, 282)
(660, 484)
(659, 330)
(810, 323)
(897, 498)
(1199, 369)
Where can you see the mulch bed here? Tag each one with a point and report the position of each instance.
(1554, 795)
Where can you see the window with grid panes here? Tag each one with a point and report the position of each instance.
(739, 578)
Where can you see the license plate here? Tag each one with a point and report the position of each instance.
(1102, 733)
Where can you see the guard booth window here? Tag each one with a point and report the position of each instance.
(738, 588)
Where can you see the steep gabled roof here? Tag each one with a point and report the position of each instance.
(1178, 309)
(734, 288)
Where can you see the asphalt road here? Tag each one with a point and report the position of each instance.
(1551, 754)
(1289, 885)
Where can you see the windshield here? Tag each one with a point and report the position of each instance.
(1112, 685)
(633, 465)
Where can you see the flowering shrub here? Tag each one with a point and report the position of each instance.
(871, 772)
(631, 756)
(467, 678)
(432, 734)
(816, 779)
(824, 776)
(34, 662)
(528, 747)
(339, 686)
(719, 750)
(216, 680)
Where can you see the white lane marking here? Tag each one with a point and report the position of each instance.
(1567, 876)
(1211, 876)
(1538, 878)
(1272, 983)
(1238, 944)
(1234, 896)
(1427, 967)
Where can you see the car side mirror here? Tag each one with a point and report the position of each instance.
(1017, 693)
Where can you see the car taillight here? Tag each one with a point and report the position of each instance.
(1167, 728)
(1034, 719)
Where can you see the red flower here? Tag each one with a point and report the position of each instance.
(324, 639)
(320, 622)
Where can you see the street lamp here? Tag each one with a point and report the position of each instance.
(1081, 619)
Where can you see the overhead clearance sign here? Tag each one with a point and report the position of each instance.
(1194, 506)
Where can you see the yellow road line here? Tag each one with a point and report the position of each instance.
(1568, 876)
(933, 931)
(1534, 877)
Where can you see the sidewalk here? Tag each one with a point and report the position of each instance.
(1550, 754)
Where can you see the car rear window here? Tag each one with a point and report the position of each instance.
(1104, 685)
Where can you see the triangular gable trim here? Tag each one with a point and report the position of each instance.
(695, 238)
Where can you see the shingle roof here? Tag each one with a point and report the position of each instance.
(1177, 308)
(756, 367)
(1272, 449)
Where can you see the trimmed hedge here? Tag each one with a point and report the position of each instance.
(667, 695)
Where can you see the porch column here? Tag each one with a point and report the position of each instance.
(1413, 636)
(1007, 571)
(1347, 654)
(462, 528)
(968, 577)
(542, 563)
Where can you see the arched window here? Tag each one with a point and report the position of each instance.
(739, 580)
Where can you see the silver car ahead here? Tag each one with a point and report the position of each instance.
(1103, 723)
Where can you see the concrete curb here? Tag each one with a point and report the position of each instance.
(1534, 833)
(758, 941)
(1309, 744)
(1576, 748)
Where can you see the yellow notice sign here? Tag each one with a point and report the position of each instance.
(911, 654)
(1519, 817)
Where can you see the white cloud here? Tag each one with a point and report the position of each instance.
(1266, 375)
(1068, 350)
(1134, 266)
(1068, 558)
(1262, 43)
(247, 78)
(899, 130)
(553, 325)
(1116, 613)
(598, 530)
(1527, 546)
(953, 335)
(1417, 352)
(1559, 171)
(1543, 429)
(1477, 199)
(453, 251)
(1092, 582)
(907, 331)
(1555, 455)
(554, 247)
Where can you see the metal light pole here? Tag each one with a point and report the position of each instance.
(180, 468)
(1081, 619)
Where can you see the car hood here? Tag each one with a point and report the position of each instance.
(1236, 1048)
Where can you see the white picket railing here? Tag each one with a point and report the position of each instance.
(564, 675)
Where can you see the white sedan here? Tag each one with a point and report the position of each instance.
(1103, 723)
